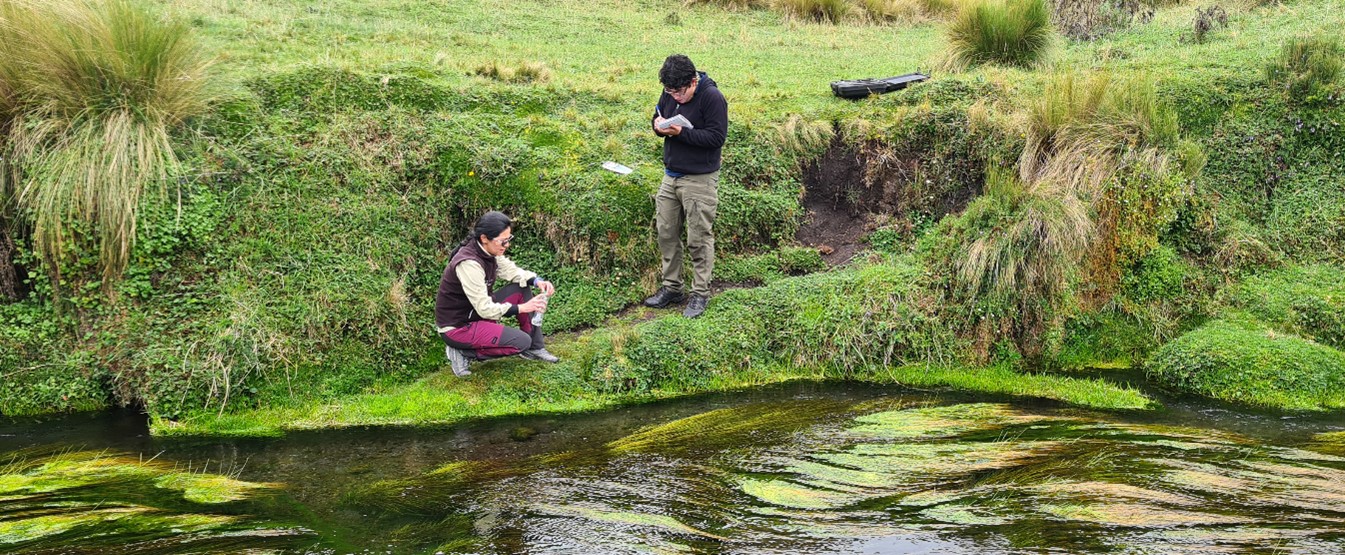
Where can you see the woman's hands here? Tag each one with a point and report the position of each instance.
(535, 304)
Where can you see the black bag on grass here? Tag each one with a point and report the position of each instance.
(860, 88)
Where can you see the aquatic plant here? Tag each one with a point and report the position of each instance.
(723, 428)
(84, 499)
(1040, 478)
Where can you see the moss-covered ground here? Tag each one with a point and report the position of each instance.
(289, 281)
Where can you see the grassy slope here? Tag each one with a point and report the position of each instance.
(339, 261)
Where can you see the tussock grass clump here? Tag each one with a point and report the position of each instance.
(1115, 145)
(524, 72)
(1045, 235)
(1021, 247)
(799, 136)
(1101, 174)
(91, 92)
(828, 11)
(1092, 19)
(1248, 364)
(1079, 127)
(1307, 69)
(1007, 32)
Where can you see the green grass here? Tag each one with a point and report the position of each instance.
(511, 387)
(1008, 32)
(1308, 69)
(1248, 364)
(779, 332)
(360, 138)
(1308, 301)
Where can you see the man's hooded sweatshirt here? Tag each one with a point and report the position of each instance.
(697, 150)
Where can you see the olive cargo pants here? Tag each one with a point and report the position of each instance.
(690, 201)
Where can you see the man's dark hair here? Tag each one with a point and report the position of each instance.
(677, 72)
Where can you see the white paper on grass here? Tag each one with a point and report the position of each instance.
(616, 168)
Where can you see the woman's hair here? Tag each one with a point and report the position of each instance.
(491, 224)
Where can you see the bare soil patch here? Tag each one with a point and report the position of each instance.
(852, 190)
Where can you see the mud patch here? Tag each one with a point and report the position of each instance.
(851, 190)
(836, 218)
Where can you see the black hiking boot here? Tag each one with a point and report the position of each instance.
(696, 305)
(664, 297)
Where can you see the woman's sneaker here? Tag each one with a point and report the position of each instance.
(458, 360)
(540, 354)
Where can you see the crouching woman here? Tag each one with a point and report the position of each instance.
(467, 313)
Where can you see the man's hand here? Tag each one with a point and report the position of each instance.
(670, 131)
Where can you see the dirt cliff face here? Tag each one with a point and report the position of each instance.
(853, 189)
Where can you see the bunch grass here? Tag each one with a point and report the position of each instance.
(1006, 32)
(1081, 126)
(1307, 68)
(92, 90)
(826, 11)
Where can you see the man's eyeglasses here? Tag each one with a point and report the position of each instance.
(681, 91)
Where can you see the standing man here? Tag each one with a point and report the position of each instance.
(689, 193)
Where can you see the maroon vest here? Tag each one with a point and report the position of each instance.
(451, 306)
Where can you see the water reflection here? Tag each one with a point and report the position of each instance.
(800, 468)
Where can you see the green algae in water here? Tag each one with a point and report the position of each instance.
(91, 499)
(1065, 480)
(661, 522)
(944, 421)
(954, 514)
(209, 488)
(798, 496)
(1337, 438)
(1137, 515)
(1109, 490)
(731, 427)
(131, 519)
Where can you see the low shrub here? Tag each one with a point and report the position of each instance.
(1307, 69)
(1104, 339)
(1006, 32)
(1207, 20)
(40, 370)
(1246, 363)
